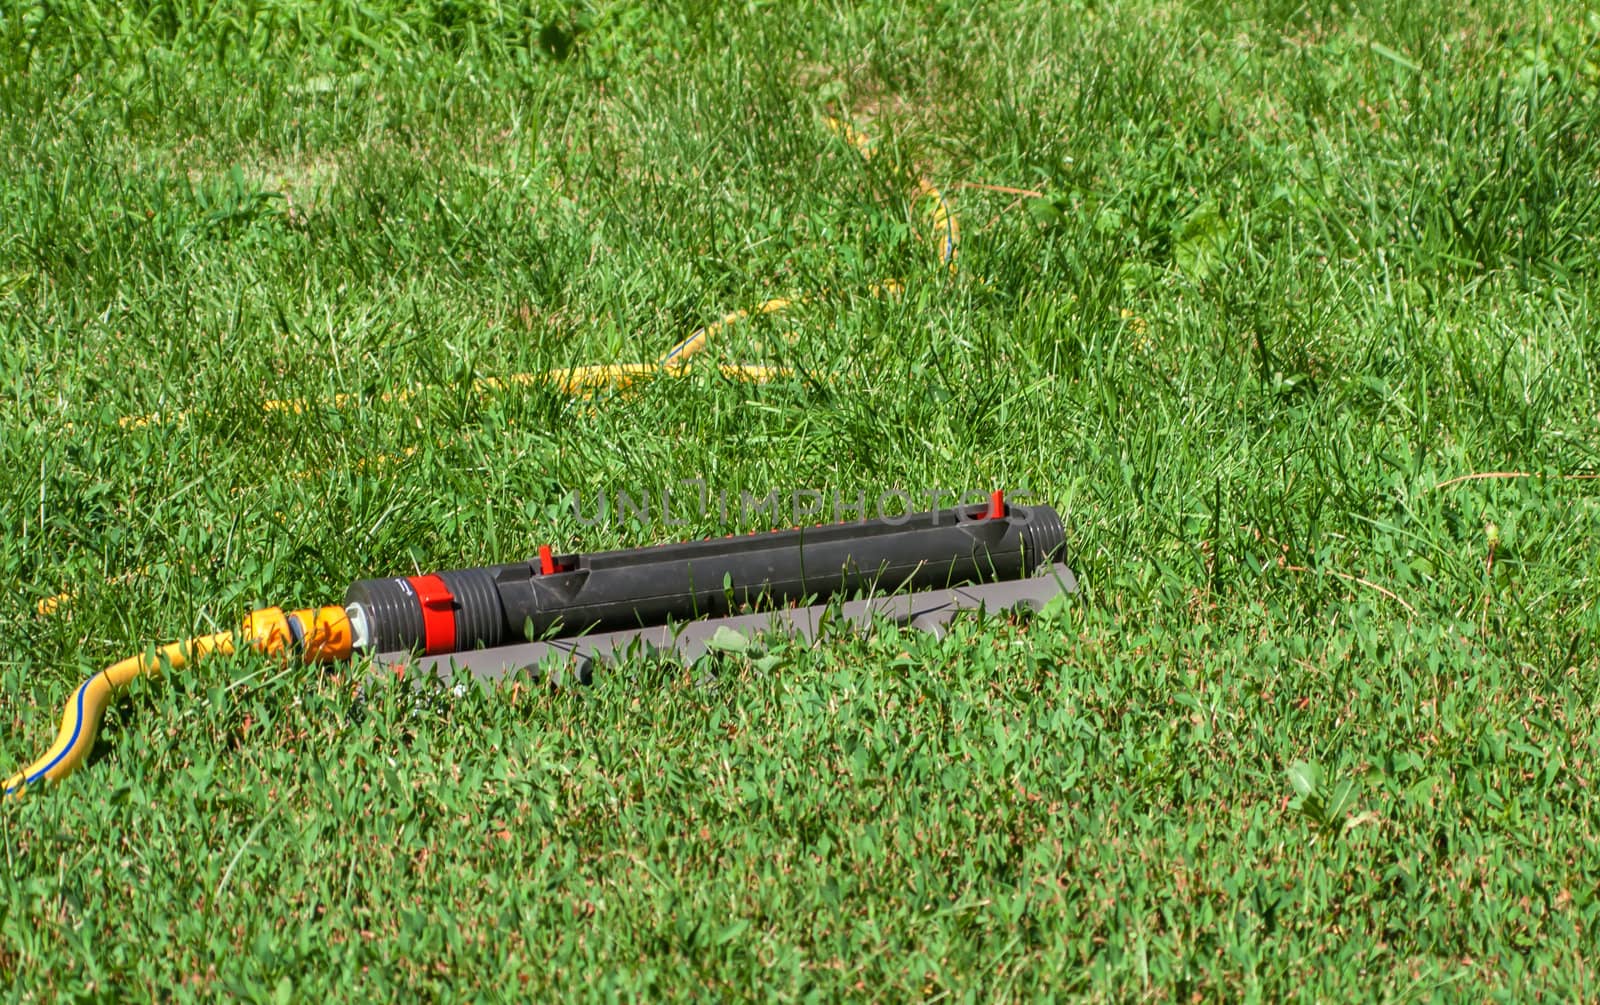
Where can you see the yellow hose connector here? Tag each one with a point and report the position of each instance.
(318, 635)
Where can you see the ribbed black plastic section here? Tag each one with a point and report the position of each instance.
(480, 621)
(1044, 538)
(394, 616)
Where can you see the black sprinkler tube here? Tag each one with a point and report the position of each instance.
(467, 609)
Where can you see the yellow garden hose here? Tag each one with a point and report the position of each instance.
(319, 635)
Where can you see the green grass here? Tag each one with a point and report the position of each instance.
(1291, 269)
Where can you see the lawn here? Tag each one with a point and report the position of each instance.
(1290, 309)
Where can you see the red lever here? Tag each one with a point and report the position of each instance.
(997, 505)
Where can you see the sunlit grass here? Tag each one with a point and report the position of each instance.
(1246, 291)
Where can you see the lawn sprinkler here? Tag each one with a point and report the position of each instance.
(571, 610)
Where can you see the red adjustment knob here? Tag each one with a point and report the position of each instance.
(438, 614)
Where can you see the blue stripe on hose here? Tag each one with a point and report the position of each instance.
(77, 731)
